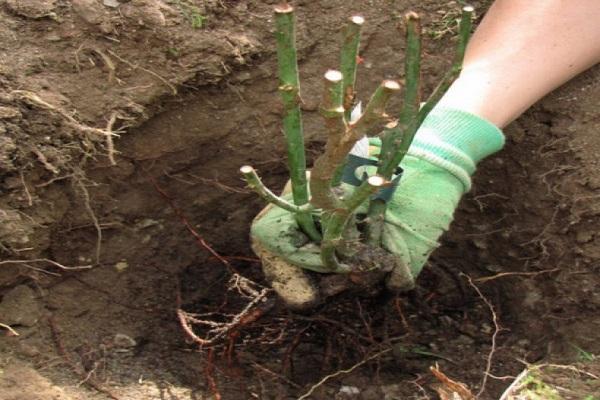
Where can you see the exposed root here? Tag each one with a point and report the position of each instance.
(542, 237)
(38, 101)
(342, 372)
(451, 389)
(256, 295)
(86, 378)
(209, 373)
(110, 146)
(10, 330)
(274, 374)
(166, 82)
(27, 263)
(497, 329)
(521, 380)
(87, 203)
(219, 330)
(504, 274)
(44, 161)
(26, 189)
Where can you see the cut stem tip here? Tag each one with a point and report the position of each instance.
(376, 181)
(357, 20)
(246, 169)
(333, 75)
(468, 9)
(391, 85)
(283, 8)
(411, 16)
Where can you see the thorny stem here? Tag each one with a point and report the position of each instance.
(414, 120)
(393, 139)
(342, 138)
(325, 166)
(375, 110)
(349, 60)
(337, 220)
(289, 88)
(255, 183)
(464, 33)
(348, 64)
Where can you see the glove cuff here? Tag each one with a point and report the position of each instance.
(456, 141)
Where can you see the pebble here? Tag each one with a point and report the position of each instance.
(20, 307)
(121, 266)
(123, 342)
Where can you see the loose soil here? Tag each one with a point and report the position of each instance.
(191, 89)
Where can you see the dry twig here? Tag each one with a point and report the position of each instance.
(342, 372)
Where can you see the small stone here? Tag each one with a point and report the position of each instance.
(20, 307)
(121, 266)
(53, 37)
(111, 3)
(123, 342)
(146, 223)
(348, 392)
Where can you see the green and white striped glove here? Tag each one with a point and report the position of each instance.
(437, 172)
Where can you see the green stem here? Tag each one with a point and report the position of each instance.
(255, 183)
(375, 110)
(338, 219)
(412, 69)
(464, 33)
(396, 138)
(325, 166)
(336, 213)
(349, 60)
(289, 88)
(409, 127)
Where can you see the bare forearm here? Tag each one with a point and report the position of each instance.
(522, 50)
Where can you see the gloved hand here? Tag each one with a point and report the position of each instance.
(437, 172)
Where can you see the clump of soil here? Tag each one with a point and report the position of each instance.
(190, 88)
